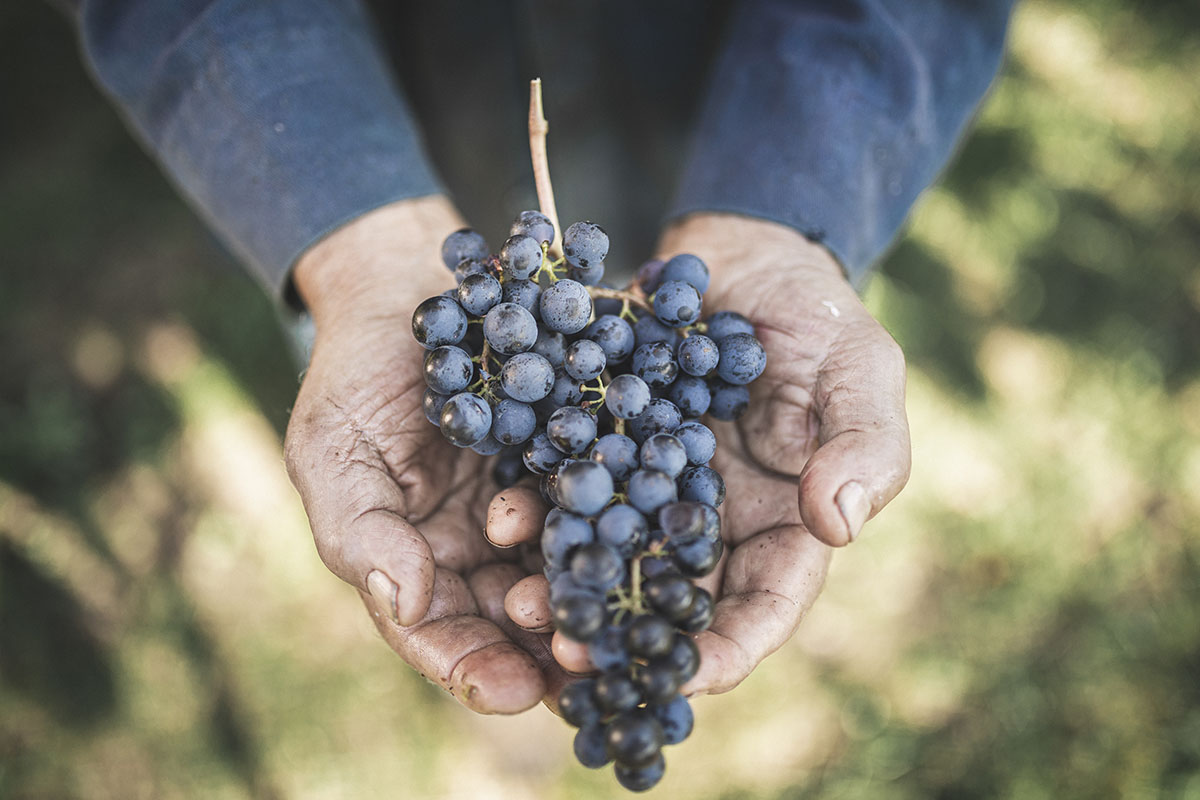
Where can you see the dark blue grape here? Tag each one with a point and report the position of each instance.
(660, 416)
(551, 346)
(566, 391)
(698, 440)
(627, 397)
(649, 276)
(700, 615)
(698, 557)
(508, 469)
(698, 355)
(615, 692)
(584, 244)
(510, 329)
(729, 402)
(488, 446)
(670, 595)
(641, 777)
(571, 429)
(520, 256)
(649, 490)
(590, 275)
(466, 419)
(684, 655)
(691, 395)
(614, 336)
(597, 566)
(677, 303)
(477, 294)
(448, 369)
(634, 737)
(535, 224)
(648, 329)
(439, 321)
(649, 636)
(703, 485)
(540, 455)
(463, 243)
(742, 358)
(655, 364)
(618, 454)
(566, 306)
(591, 745)
(584, 360)
(622, 528)
(563, 585)
(676, 718)
(431, 404)
(585, 487)
(576, 705)
(526, 294)
(665, 453)
(607, 650)
(689, 269)
(579, 616)
(512, 422)
(683, 521)
(657, 682)
(726, 323)
(527, 377)
(468, 267)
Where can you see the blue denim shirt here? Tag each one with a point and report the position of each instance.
(281, 121)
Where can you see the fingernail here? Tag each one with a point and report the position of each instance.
(855, 506)
(386, 594)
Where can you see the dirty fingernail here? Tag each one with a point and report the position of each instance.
(386, 594)
(855, 506)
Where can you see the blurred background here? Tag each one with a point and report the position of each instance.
(1023, 622)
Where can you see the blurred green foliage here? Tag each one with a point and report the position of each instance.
(1023, 622)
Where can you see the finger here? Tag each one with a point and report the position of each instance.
(515, 515)
(771, 580)
(571, 655)
(469, 656)
(356, 511)
(864, 457)
(527, 604)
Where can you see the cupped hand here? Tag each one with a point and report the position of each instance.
(823, 447)
(396, 511)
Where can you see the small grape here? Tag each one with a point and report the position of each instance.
(665, 453)
(742, 358)
(540, 455)
(650, 636)
(584, 244)
(468, 267)
(585, 487)
(534, 224)
(622, 528)
(439, 321)
(461, 244)
(634, 736)
(520, 256)
(649, 276)
(657, 682)
(689, 269)
(627, 397)
(698, 440)
(526, 294)
(682, 521)
(703, 485)
(584, 360)
(510, 329)
(448, 369)
(576, 705)
(566, 306)
(649, 490)
(465, 419)
(618, 454)
(478, 293)
(726, 323)
(591, 745)
(677, 304)
(670, 595)
(487, 446)
(641, 777)
(691, 395)
(571, 429)
(615, 692)
(551, 346)
(698, 355)
(660, 416)
(579, 616)
(655, 364)
(684, 655)
(607, 650)
(590, 275)
(527, 377)
(729, 402)
(597, 566)
(676, 718)
(513, 422)
(614, 336)
(431, 404)
(700, 615)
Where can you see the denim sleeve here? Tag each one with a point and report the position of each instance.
(831, 117)
(277, 120)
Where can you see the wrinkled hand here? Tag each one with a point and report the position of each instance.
(395, 510)
(826, 418)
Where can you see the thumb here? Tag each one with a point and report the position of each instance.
(864, 456)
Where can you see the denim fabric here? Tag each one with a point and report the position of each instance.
(281, 120)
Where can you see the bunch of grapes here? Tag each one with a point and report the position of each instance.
(600, 392)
